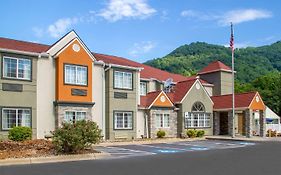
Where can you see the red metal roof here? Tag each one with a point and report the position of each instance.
(11, 44)
(147, 72)
(214, 67)
(180, 89)
(242, 100)
(146, 101)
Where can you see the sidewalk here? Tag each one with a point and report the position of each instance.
(53, 159)
(148, 141)
(242, 138)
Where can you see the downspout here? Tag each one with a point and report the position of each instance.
(103, 99)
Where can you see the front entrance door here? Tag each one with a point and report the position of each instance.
(241, 124)
(223, 123)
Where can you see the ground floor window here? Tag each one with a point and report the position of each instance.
(162, 120)
(72, 116)
(197, 120)
(123, 120)
(12, 117)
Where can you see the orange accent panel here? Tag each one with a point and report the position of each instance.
(257, 105)
(165, 103)
(69, 56)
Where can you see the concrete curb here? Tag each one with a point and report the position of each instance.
(53, 159)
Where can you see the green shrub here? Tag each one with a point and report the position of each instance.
(20, 133)
(200, 133)
(75, 137)
(161, 134)
(191, 133)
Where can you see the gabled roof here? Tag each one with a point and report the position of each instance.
(148, 72)
(180, 90)
(214, 67)
(146, 101)
(242, 100)
(24, 46)
(154, 99)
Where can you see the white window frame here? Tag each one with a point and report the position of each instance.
(121, 84)
(75, 115)
(143, 88)
(190, 118)
(160, 120)
(76, 82)
(129, 126)
(17, 117)
(17, 68)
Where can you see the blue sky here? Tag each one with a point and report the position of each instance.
(143, 29)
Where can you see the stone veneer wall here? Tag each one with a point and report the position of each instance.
(216, 123)
(171, 131)
(60, 111)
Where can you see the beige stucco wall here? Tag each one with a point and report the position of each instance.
(114, 104)
(193, 96)
(26, 98)
(45, 96)
(140, 123)
(98, 113)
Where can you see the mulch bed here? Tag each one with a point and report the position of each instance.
(30, 148)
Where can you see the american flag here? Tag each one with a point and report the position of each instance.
(231, 39)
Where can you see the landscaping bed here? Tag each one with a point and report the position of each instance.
(31, 148)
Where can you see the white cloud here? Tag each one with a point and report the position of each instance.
(142, 47)
(119, 9)
(61, 26)
(224, 19)
(239, 16)
(39, 32)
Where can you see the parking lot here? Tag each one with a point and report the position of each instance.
(169, 148)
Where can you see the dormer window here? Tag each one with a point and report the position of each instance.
(75, 75)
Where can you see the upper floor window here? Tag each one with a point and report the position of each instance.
(12, 117)
(72, 116)
(123, 80)
(143, 88)
(17, 68)
(76, 75)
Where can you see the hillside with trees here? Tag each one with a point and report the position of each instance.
(258, 68)
(250, 62)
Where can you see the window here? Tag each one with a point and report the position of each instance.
(123, 120)
(197, 118)
(123, 80)
(17, 68)
(76, 75)
(143, 88)
(15, 117)
(72, 116)
(162, 120)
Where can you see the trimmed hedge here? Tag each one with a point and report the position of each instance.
(192, 133)
(20, 133)
(161, 134)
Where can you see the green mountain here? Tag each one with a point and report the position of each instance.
(250, 62)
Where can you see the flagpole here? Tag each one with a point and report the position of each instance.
(233, 92)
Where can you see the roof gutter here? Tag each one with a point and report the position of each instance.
(39, 55)
(126, 67)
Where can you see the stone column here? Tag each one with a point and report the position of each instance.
(216, 123)
(262, 124)
(248, 122)
(230, 123)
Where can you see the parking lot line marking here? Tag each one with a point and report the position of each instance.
(164, 147)
(135, 151)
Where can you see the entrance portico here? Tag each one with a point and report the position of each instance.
(246, 104)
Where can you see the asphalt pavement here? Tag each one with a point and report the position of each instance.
(220, 158)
